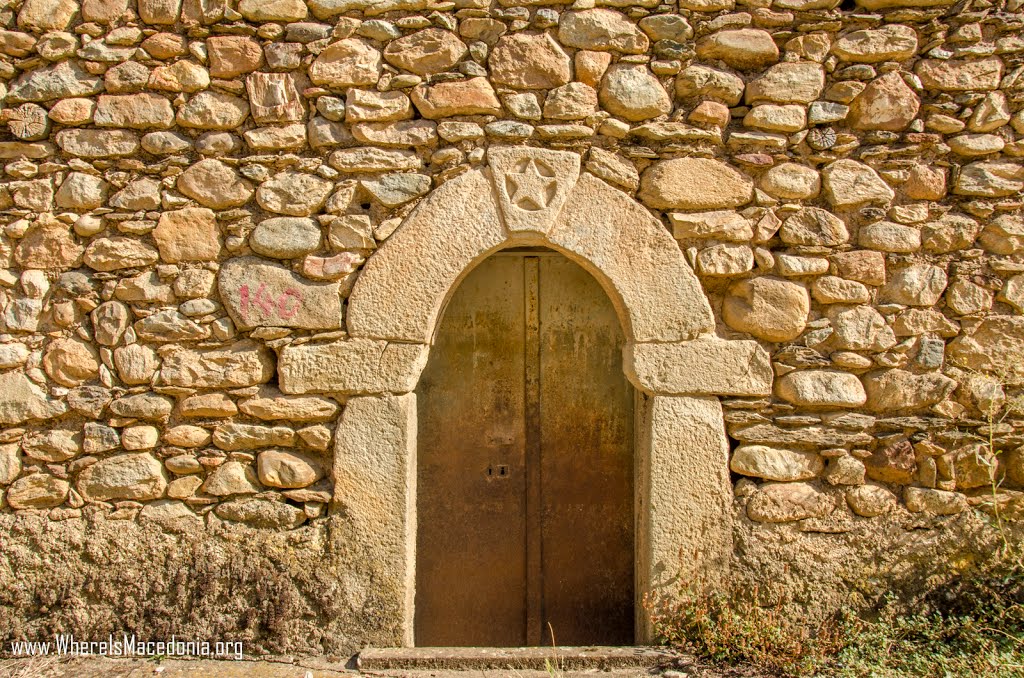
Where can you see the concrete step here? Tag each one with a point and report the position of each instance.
(527, 658)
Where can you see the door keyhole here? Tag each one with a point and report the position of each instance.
(497, 471)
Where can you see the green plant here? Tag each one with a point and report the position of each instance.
(729, 630)
(553, 665)
(970, 626)
(997, 409)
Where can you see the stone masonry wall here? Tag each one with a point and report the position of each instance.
(189, 186)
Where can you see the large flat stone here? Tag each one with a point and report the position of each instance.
(821, 389)
(960, 75)
(899, 390)
(124, 476)
(773, 463)
(353, 366)
(740, 368)
(694, 184)
(21, 400)
(257, 293)
(242, 364)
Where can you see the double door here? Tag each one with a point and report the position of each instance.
(525, 463)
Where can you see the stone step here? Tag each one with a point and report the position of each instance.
(529, 658)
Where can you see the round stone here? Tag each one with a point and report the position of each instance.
(791, 181)
(870, 500)
(71, 361)
(767, 308)
(285, 237)
(632, 92)
(426, 52)
(280, 468)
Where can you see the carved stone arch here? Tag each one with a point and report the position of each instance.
(530, 196)
(404, 285)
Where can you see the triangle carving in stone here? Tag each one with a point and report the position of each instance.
(532, 185)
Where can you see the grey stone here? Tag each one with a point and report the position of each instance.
(293, 193)
(285, 237)
(137, 477)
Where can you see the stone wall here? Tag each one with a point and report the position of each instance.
(191, 189)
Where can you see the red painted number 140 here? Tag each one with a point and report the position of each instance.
(286, 305)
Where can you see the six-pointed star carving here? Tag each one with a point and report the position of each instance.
(531, 190)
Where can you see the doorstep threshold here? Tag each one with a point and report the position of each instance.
(532, 658)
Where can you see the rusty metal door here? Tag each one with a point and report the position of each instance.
(525, 464)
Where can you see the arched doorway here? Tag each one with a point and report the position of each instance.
(683, 498)
(525, 462)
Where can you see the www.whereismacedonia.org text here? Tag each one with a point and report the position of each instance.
(127, 646)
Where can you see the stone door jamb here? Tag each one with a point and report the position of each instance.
(535, 197)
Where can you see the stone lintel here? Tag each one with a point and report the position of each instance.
(706, 365)
(352, 366)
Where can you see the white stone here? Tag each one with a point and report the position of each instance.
(743, 367)
(773, 463)
(357, 366)
(850, 184)
(821, 389)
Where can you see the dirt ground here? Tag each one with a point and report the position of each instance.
(52, 667)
